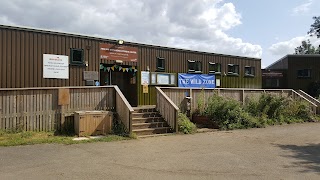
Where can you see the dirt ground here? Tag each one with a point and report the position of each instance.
(280, 152)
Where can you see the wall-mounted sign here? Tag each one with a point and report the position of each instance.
(218, 82)
(90, 75)
(145, 89)
(272, 74)
(55, 66)
(118, 52)
(197, 80)
(145, 77)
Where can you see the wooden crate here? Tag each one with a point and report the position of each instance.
(87, 123)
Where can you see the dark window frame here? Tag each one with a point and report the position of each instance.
(233, 71)
(272, 83)
(161, 66)
(252, 71)
(194, 66)
(302, 74)
(72, 61)
(215, 68)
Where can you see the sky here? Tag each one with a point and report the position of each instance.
(266, 29)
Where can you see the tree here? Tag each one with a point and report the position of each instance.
(315, 27)
(306, 48)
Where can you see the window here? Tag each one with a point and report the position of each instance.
(214, 68)
(158, 78)
(194, 66)
(249, 71)
(233, 69)
(160, 64)
(304, 73)
(77, 56)
(272, 83)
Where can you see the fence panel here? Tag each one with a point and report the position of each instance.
(37, 109)
(177, 95)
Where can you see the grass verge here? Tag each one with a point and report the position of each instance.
(8, 138)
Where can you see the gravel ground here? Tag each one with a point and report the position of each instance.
(279, 152)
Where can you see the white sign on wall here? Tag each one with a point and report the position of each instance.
(145, 78)
(55, 66)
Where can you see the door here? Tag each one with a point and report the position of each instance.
(124, 79)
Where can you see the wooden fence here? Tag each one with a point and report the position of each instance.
(167, 109)
(38, 109)
(178, 95)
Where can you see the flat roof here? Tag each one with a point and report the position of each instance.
(47, 31)
(293, 55)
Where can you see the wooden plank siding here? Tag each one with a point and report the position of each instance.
(296, 63)
(177, 61)
(36, 109)
(22, 52)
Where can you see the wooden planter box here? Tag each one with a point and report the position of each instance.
(204, 121)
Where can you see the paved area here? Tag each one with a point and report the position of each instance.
(280, 152)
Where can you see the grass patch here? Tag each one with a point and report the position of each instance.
(8, 138)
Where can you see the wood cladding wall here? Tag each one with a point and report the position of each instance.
(22, 49)
(22, 52)
(299, 63)
(176, 61)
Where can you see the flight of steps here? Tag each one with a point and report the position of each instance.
(146, 121)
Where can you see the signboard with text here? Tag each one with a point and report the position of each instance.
(55, 66)
(145, 78)
(118, 52)
(196, 80)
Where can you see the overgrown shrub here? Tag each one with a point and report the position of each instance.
(118, 128)
(267, 105)
(185, 125)
(259, 111)
(229, 114)
(271, 109)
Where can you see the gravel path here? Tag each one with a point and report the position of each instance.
(280, 152)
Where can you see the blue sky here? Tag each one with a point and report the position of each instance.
(271, 22)
(266, 29)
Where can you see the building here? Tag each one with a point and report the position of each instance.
(293, 72)
(42, 58)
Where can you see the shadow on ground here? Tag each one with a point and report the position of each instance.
(307, 156)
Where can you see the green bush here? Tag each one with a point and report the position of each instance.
(185, 125)
(271, 109)
(257, 112)
(229, 114)
(267, 105)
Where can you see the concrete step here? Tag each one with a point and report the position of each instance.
(145, 114)
(150, 131)
(147, 120)
(149, 125)
(155, 135)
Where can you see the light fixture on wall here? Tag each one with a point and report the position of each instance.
(148, 69)
(120, 41)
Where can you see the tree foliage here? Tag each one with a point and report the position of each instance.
(306, 48)
(315, 27)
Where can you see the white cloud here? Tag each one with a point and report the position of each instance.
(303, 8)
(192, 24)
(287, 47)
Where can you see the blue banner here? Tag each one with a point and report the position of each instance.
(196, 80)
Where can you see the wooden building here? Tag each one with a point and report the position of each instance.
(293, 72)
(41, 58)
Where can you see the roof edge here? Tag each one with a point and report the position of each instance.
(39, 30)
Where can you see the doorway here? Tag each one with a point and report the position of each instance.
(124, 77)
